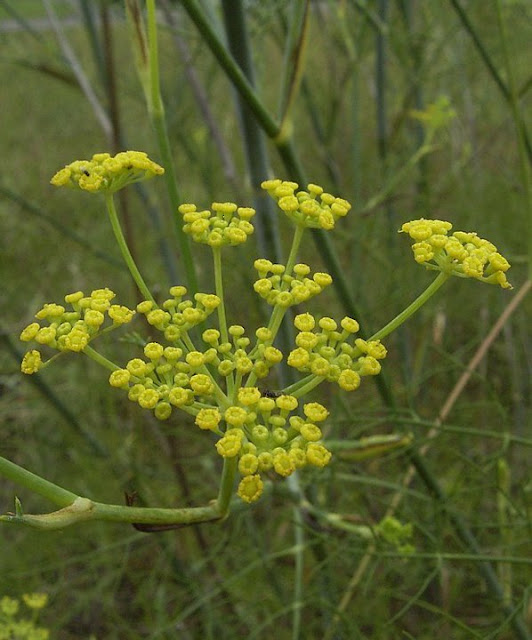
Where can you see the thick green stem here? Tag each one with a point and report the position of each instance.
(75, 509)
(56, 494)
(85, 510)
(226, 485)
(124, 249)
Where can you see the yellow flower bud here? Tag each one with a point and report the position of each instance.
(282, 464)
(315, 412)
(120, 378)
(248, 464)
(317, 455)
(31, 362)
(250, 488)
(208, 419)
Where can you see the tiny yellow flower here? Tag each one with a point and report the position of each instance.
(311, 432)
(235, 416)
(286, 403)
(31, 363)
(318, 455)
(120, 314)
(349, 380)
(163, 411)
(248, 464)
(250, 488)
(304, 322)
(315, 411)
(154, 350)
(178, 396)
(149, 398)
(120, 378)
(208, 419)
(201, 384)
(283, 464)
(248, 396)
(30, 332)
(231, 443)
(35, 600)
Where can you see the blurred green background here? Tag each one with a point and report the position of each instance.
(368, 65)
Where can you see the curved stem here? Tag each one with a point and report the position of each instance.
(124, 249)
(412, 308)
(53, 492)
(75, 509)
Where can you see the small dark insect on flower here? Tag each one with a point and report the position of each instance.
(86, 172)
(267, 393)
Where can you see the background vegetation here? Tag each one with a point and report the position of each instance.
(368, 64)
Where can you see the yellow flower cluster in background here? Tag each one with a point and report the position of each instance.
(14, 626)
(461, 254)
(104, 173)
(314, 208)
(72, 330)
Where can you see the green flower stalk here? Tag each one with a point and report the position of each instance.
(217, 379)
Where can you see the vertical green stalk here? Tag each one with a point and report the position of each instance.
(524, 166)
(219, 288)
(157, 116)
(128, 258)
(226, 485)
(293, 63)
(252, 136)
(483, 52)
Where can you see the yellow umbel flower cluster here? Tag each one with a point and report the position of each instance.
(179, 375)
(310, 209)
(12, 626)
(461, 254)
(326, 352)
(72, 330)
(104, 173)
(226, 224)
(177, 315)
(286, 290)
(264, 437)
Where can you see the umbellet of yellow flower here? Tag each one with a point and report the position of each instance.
(104, 173)
(462, 254)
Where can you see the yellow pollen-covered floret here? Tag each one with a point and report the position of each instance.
(250, 488)
(31, 362)
(235, 416)
(120, 378)
(318, 455)
(230, 444)
(208, 419)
